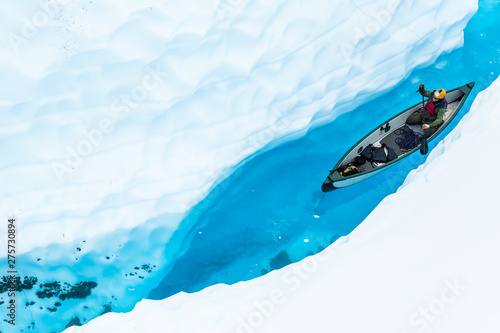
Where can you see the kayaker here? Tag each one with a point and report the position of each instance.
(433, 113)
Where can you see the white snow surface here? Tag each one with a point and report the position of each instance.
(407, 268)
(119, 116)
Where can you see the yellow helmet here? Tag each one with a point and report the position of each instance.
(439, 94)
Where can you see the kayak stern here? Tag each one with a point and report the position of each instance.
(328, 183)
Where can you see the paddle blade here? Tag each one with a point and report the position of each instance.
(423, 146)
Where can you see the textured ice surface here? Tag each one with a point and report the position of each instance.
(118, 116)
(431, 271)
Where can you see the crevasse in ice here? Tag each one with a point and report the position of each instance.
(119, 116)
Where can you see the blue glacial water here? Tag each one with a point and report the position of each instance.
(262, 216)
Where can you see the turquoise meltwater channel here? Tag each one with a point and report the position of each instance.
(262, 217)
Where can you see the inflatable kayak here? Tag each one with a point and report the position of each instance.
(382, 147)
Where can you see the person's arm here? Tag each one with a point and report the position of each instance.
(439, 119)
(423, 92)
(426, 93)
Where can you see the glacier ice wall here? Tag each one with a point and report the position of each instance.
(120, 116)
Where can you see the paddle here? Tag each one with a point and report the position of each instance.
(423, 145)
